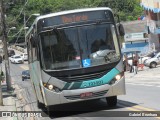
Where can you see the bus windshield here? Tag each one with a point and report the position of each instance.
(79, 47)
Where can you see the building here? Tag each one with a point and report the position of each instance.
(152, 12)
(136, 38)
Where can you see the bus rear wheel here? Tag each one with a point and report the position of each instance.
(112, 101)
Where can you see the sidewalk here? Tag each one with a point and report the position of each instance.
(140, 71)
(9, 97)
(12, 101)
(9, 103)
(147, 75)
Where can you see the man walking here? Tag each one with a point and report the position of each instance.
(135, 64)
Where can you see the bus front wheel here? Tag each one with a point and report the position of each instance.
(40, 105)
(112, 101)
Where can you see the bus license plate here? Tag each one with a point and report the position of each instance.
(85, 95)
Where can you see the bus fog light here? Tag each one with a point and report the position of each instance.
(118, 77)
(50, 87)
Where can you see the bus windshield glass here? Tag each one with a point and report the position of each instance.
(79, 47)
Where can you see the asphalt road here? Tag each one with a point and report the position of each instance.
(142, 95)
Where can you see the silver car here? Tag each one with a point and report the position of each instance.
(153, 62)
(24, 56)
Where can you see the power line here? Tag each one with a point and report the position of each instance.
(19, 32)
(20, 11)
(18, 37)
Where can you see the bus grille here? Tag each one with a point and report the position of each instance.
(83, 77)
(96, 94)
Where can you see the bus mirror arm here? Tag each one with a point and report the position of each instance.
(33, 42)
(55, 30)
(121, 29)
(117, 18)
(119, 26)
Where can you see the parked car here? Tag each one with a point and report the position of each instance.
(16, 59)
(11, 53)
(148, 56)
(153, 62)
(25, 75)
(24, 56)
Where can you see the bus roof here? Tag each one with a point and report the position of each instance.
(72, 11)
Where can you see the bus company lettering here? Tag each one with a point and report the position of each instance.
(74, 18)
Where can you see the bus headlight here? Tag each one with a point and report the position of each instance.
(118, 77)
(50, 87)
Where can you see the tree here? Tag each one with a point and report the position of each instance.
(127, 9)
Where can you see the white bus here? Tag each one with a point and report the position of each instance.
(75, 56)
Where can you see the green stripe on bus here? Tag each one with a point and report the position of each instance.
(94, 82)
(76, 85)
(66, 86)
(101, 81)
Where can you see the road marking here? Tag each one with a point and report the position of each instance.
(128, 107)
(137, 108)
(142, 84)
(143, 108)
(24, 67)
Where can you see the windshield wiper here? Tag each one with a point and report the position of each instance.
(104, 53)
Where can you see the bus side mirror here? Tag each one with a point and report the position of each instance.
(121, 30)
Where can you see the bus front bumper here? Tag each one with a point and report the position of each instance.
(68, 96)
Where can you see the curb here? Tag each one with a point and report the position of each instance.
(21, 98)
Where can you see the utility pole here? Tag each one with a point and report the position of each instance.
(24, 26)
(4, 33)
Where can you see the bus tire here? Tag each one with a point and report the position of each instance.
(40, 105)
(48, 111)
(112, 101)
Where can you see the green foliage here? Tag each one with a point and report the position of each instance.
(127, 9)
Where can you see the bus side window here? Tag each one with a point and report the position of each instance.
(30, 59)
(33, 47)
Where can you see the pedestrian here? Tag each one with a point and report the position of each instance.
(131, 65)
(135, 65)
(124, 64)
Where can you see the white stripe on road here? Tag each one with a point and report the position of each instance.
(24, 67)
(142, 84)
